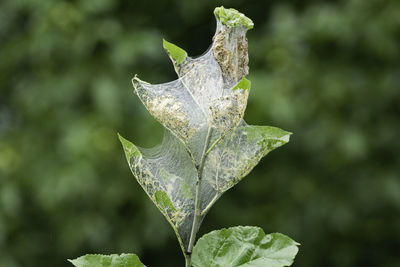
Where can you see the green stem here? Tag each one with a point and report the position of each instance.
(188, 259)
(197, 210)
(212, 202)
(222, 137)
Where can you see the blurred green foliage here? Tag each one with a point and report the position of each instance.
(328, 71)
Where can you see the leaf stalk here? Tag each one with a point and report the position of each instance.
(212, 202)
(197, 212)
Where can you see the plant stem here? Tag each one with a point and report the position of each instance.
(212, 202)
(188, 260)
(197, 210)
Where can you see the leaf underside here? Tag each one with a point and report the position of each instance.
(209, 97)
(244, 246)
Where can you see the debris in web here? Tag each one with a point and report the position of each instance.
(210, 93)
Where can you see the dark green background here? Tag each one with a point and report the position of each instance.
(328, 71)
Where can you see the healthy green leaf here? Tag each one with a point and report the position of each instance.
(244, 84)
(114, 260)
(244, 246)
(176, 53)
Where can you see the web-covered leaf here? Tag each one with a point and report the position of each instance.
(206, 141)
(211, 90)
(238, 153)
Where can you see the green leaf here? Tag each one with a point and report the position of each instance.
(163, 199)
(244, 84)
(232, 18)
(114, 260)
(267, 136)
(244, 246)
(176, 53)
(129, 148)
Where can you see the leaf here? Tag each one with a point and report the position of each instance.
(232, 18)
(168, 175)
(114, 260)
(130, 149)
(202, 112)
(244, 84)
(206, 94)
(176, 53)
(244, 246)
(239, 153)
(163, 199)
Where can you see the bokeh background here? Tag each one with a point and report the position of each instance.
(328, 71)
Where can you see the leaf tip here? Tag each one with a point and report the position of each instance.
(74, 261)
(121, 139)
(243, 84)
(176, 53)
(286, 137)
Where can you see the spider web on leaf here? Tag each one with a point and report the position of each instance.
(209, 96)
